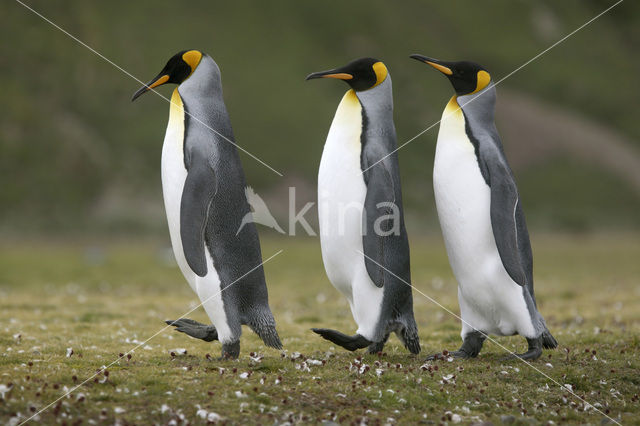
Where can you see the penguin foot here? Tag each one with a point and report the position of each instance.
(376, 347)
(192, 328)
(350, 343)
(231, 350)
(534, 352)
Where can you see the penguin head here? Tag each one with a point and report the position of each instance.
(466, 77)
(361, 74)
(178, 69)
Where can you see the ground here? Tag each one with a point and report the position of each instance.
(67, 308)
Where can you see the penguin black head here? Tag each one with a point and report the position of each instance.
(178, 69)
(361, 74)
(466, 77)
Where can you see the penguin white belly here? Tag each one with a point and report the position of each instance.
(341, 196)
(489, 299)
(174, 175)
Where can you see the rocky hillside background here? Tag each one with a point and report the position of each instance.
(77, 156)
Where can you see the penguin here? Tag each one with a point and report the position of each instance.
(482, 219)
(203, 185)
(363, 239)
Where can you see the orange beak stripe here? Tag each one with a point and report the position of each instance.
(158, 82)
(340, 76)
(440, 68)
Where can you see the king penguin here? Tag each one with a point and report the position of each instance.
(203, 186)
(363, 239)
(482, 220)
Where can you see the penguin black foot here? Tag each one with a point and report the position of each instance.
(350, 343)
(192, 328)
(376, 347)
(231, 350)
(471, 346)
(534, 352)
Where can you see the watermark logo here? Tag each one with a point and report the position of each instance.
(336, 216)
(259, 212)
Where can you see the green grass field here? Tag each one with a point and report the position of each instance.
(102, 299)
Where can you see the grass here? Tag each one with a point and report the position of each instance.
(103, 299)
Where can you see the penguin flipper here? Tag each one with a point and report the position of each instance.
(350, 343)
(509, 226)
(197, 194)
(379, 241)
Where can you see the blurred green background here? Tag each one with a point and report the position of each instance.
(76, 156)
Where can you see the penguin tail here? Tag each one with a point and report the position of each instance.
(548, 341)
(270, 337)
(265, 327)
(409, 337)
(350, 343)
(412, 343)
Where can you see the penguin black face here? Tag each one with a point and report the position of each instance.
(361, 74)
(178, 69)
(466, 77)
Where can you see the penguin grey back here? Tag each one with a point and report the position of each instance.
(381, 173)
(387, 248)
(507, 215)
(209, 137)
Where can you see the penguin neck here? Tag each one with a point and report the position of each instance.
(480, 105)
(205, 81)
(203, 89)
(201, 95)
(377, 99)
(377, 104)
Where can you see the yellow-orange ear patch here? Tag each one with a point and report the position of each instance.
(192, 58)
(381, 72)
(483, 81)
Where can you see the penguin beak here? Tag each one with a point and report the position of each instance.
(158, 81)
(437, 64)
(336, 73)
